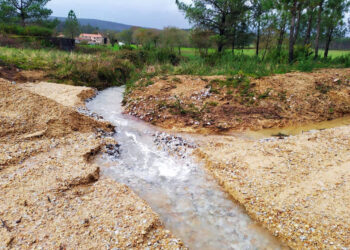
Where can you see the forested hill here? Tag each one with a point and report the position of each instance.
(102, 25)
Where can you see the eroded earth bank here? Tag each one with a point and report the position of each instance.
(52, 195)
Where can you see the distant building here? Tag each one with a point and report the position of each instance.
(91, 39)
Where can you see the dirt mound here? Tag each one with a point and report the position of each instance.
(23, 113)
(20, 76)
(52, 196)
(66, 95)
(298, 187)
(219, 104)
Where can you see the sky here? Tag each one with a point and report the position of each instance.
(145, 13)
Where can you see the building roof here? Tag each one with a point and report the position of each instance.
(91, 35)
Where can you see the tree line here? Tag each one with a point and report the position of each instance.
(271, 25)
(301, 22)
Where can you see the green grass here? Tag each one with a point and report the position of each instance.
(109, 46)
(191, 52)
(104, 66)
(95, 70)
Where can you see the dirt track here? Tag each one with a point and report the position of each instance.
(52, 196)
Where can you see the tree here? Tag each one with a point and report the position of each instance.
(112, 37)
(333, 20)
(27, 9)
(239, 18)
(292, 30)
(214, 15)
(7, 12)
(125, 36)
(201, 39)
(282, 15)
(310, 18)
(318, 32)
(71, 26)
(172, 37)
(146, 37)
(260, 8)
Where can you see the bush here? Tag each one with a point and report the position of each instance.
(32, 30)
(100, 73)
(302, 52)
(37, 31)
(137, 57)
(167, 56)
(306, 65)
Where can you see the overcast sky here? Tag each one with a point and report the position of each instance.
(145, 13)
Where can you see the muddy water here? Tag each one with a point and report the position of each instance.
(189, 202)
(298, 129)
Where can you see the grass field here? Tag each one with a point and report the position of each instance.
(251, 52)
(193, 52)
(104, 66)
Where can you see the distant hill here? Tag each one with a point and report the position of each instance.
(102, 25)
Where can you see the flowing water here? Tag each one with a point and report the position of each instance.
(189, 202)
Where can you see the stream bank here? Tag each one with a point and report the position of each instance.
(52, 195)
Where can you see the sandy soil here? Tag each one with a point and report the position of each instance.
(220, 105)
(52, 196)
(297, 187)
(67, 95)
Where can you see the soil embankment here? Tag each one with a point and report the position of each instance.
(52, 196)
(296, 187)
(220, 105)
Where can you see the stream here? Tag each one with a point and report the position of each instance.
(188, 200)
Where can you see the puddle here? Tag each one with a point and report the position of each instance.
(190, 203)
(295, 130)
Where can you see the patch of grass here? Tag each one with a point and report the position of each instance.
(265, 95)
(213, 104)
(323, 88)
(176, 79)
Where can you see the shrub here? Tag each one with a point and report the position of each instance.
(306, 65)
(25, 31)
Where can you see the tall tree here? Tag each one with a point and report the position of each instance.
(293, 11)
(282, 23)
(299, 19)
(214, 15)
(71, 26)
(238, 19)
(318, 29)
(28, 9)
(310, 18)
(260, 8)
(333, 20)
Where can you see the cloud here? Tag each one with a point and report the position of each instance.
(146, 13)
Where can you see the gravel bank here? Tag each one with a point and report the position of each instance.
(52, 196)
(297, 187)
